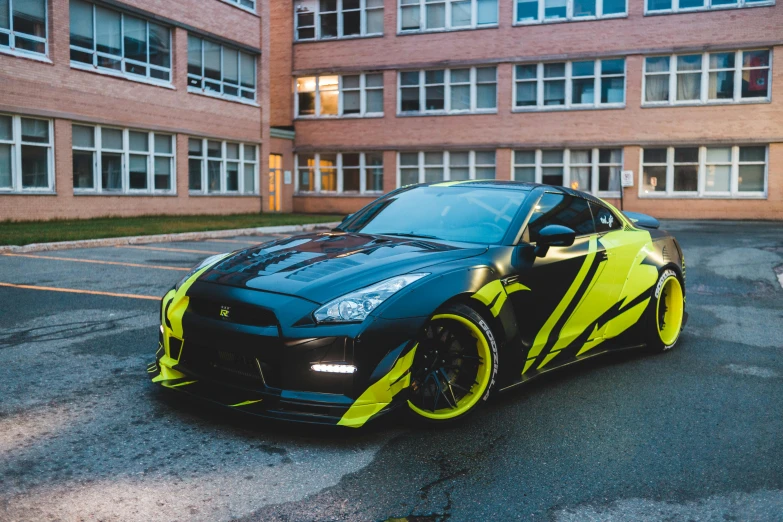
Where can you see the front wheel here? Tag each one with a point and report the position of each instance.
(666, 313)
(454, 367)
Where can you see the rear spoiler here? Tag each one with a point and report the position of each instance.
(642, 220)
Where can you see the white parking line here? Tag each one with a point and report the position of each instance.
(98, 262)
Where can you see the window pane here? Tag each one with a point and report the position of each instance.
(409, 158)
(30, 17)
(524, 157)
(232, 150)
(231, 66)
(83, 136)
(374, 101)
(721, 86)
(163, 144)
(162, 173)
(374, 172)
(107, 25)
(526, 72)
(351, 182)
(583, 91)
(433, 158)
(486, 96)
(612, 90)
(328, 164)
(580, 178)
(584, 8)
(211, 60)
(137, 172)
(487, 12)
(717, 178)
(688, 86)
(552, 176)
(81, 23)
(557, 209)
(5, 21)
(111, 139)
(135, 36)
(195, 147)
(159, 42)
(250, 152)
(194, 174)
(351, 102)
(554, 70)
(655, 155)
(433, 174)
(375, 21)
(5, 128)
(527, 174)
(686, 178)
(753, 154)
(654, 179)
(554, 92)
(249, 177)
(352, 22)
(35, 131)
(436, 16)
(718, 155)
(409, 177)
(610, 155)
(527, 10)
(435, 98)
(232, 177)
(614, 6)
(656, 88)
(485, 158)
(213, 176)
(328, 25)
(247, 64)
(659, 5)
(214, 149)
(194, 55)
(751, 178)
(526, 94)
(656, 64)
(552, 156)
(554, 9)
(35, 166)
(755, 83)
(613, 66)
(410, 17)
(306, 103)
(691, 62)
(690, 4)
(609, 179)
(686, 155)
(138, 141)
(5, 165)
(111, 171)
(755, 59)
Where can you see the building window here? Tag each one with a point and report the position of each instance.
(434, 167)
(250, 5)
(327, 19)
(219, 70)
(347, 95)
(720, 77)
(26, 157)
(713, 171)
(537, 11)
(469, 90)
(590, 170)
(23, 26)
(683, 6)
(222, 167)
(445, 15)
(118, 43)
(122, 161)
(570, 85)
(340, 173)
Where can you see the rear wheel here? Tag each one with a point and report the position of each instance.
(667, 310)
(455, 365)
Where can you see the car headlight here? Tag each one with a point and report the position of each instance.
(208, 261)
(356, 306)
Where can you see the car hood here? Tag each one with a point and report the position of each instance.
(321, 267)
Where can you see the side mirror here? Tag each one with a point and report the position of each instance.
(553, 236)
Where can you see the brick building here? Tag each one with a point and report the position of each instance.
(220, 106)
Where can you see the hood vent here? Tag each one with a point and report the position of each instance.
(321, 269)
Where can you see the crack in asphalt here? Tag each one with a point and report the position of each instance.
(61, 331)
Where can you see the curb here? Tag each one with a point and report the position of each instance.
(164, 238)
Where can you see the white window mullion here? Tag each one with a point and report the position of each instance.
(339, 167)
(317, 100)
(594, 170)
(567, 168)
(125, 176)
(421, 167)
(339, 18)
(472, 165)
(734, 171)
(737, 76)
(447, 88)
(317, 171)
(672, 79)
(702, 171)
(669, 171)
(597, 84)
(540, 12)
(540, 83)
(422, 92)
(599, 8)
(16, 137)
(362, 90)
(705, 77)
(362, 171)
(538, 166)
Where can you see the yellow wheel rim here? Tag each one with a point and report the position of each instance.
(669, 311)
(482, 379)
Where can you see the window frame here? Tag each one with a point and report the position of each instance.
(540, 80)
(238, 3)
(447, 84)
(675, 8)
(16, 144)
(224, 160)
(122, 73)
(595, 167)
(340, 29)
(363, 89)
(701, 193)
(363, 168)
(126, 152)
(445, 164)
(11, 48)
(422, 6)
(705, 70)
(202, 79)
(599, 14)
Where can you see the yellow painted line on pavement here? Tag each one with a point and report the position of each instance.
(167, 249)
(77, 291)
(99, 262)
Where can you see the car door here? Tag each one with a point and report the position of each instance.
(547, 291)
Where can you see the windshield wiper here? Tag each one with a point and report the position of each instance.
(402, 234)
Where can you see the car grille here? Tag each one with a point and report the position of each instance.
(239, 313)
(227, 366)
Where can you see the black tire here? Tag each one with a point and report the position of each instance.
(454, 368)
(665, 313)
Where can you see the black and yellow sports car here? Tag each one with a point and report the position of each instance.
(429, 299)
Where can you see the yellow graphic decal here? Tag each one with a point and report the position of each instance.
(516, 287)
(492, 295)
(245, 403)
(380, 394)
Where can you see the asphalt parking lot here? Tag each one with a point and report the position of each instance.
(694, 434)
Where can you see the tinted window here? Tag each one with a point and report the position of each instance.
(561, 209)
(605, 220)
(460, 213)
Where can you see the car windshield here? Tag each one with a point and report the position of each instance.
(456, 213)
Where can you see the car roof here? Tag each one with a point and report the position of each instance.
(512, 185)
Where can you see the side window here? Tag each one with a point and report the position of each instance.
(560, 209)
(605, 220)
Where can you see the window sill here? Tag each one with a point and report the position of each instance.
(338, 39)
(343, 117)
(571, 21)
(78, 192)
(715, 103)
(560, 108)
(703, 9)
(242, 8)
(337, 194)
(430, 114)
(449, 30)
(29, 56)
(42, 192)
(202, 92)
(91, 69)
(221, 195)
(705, 196)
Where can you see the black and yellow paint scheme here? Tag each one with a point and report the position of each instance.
(239, 330)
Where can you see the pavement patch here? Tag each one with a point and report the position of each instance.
(755, 371)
